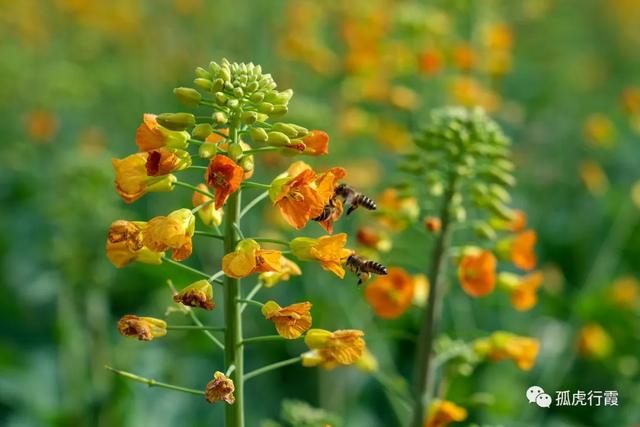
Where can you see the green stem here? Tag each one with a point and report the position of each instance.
(264, 338)
(267, 240)
(202, 206)
(194, 328)
(250, 295)
(193, 188)
(233, 354)
(424, 368)
(197, 167)
(254, 202)
(209, 234)
(271, 367)
(261, 150)
(195, 141)
(185, 267)
(250, 301)
(153, 383)
(197, 321)
(251, 184)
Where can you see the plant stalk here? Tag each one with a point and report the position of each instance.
(425, 368)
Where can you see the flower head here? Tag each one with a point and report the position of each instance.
(163, 161)
(132, 181)
(522, 250)
(594, 342)
(291, 321)
(171, 232)
(142, 328)
(150, 135)
(288, 268)
(124, 244)
(443, 412)
(328, 250)
(330, 349)
(220, 388)
(197, 294)
(316, 143)
(208, 214)
(522, 290)
(477, 273)
(248, 258)
(391, 295)
(625, 292)
(224, 176)
(504, 345)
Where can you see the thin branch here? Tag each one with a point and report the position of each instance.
(264, 338)
(209, 234)
(153, 383)
(197, 321)
(185, 267)
(194, 328)
(271, 367)
(254, 202)
(214, 277)
(251, 294)
(251, 184)
(250, 301)
(267, 240)
(193, 188)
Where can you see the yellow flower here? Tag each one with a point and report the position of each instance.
(594, 177)
(142, 328)
(288, 268)
(197, 294)
(520, 250)
(124, 245)
(132, 181)
(163, 161)
(328, 250)
(248, 258)
(504, 345)
(330, 349)
(600, 131)
(208, 214)
(220, 388)
(625, 292)
(594, 342)
(443, 412)
(171, 232)
(521, 289)
(150, 135)
(291, 321)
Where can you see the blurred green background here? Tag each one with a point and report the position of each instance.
(76, 76)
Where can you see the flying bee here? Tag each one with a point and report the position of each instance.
(363, 267)
(354, 198)
(327, 212)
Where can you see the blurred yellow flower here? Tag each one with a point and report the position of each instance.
(522, 290)
(505, 345)
(248, 258)
(220, 388)
(594, 342)
(625, 292)
(477, 273)
(329, 251)
(391, 295)
(142, 328)
(443, 412)
(599, 131)
(173, 231)
(519, 249)
(330, 349)
(594, 177)
(288, 268)
(396, 211)
(291, 321)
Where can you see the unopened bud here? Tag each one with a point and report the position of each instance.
(238, 92)
(218, 84)
(249, 117)
(219, 118)
(202, 131)
(288, 130)
(280, 98)
(501, 210)
(302, 131)
(188, 96)
(202, 73)
(257, 97)
(265, 107)
(233, 103)
(205, 84)
(258, 134)
(234, 151)
(207, 150)
(279, 111)
(176, 121)
(484, 230)
(278, 139)
(225, 74)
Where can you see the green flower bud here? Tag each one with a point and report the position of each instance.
(265, 107)
(484, 230)
(202, 73)
(188, 96)
(207, 150)
(302, 131)
(257, 97)
(288, 130)
(218, 84)
(221, 98)
(258, 134)
(225, 74)
(214, 68)
(238, 92)
(233, 103)
(228, 86)
(501, 210)
(205, 84)
(503, 178)
(202, 131)
(278, 139)
(458, 213)
(176, 121)
(252, 87)
(234, 151)
(249, 117)
(279, 111)
(280, 98)
(219, 118)
(499, 193)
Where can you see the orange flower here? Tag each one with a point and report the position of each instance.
(197, 294)
(132, 181)
(328, 250)
(396, 211)
(150, 135)
(524, 297)
(477, 273)
(374, 238)
(224, 176)
(163, 161)
(391, 295)
(171, 232)
(504, 345)
(594, 342)
(42, 125)
(336, 208)
(288, 268)
(142, 328)
(522, 250)
(220, 388)
(464, 57)
(316, 143)
(430, 62)
(330, 349)
(443, 412)
(208, 214)
(124, 244)
(291, 321)
(248, 258)
(432, 224)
